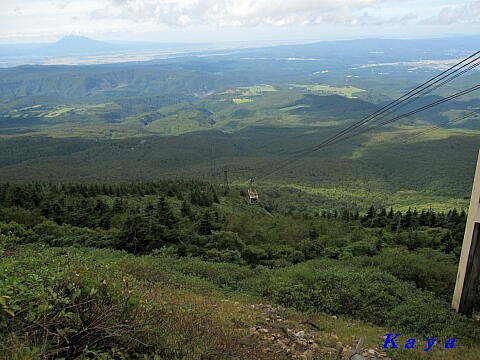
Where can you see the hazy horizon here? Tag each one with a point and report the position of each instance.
(253, 41)
(219, 21)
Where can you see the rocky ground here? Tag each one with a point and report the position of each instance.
(282, 337)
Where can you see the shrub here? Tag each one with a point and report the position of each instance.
(224, 256)
(296, 257)
(65, 307)
(227, 240)
(361, 248)
(369, 294)
(10, 234)
(424, 315)
(15, 230)
(253, 254)
(427, 269)
(311, 248)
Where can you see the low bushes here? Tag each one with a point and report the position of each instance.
(61, 307)
(91, 303)
(368, 293)
(428, 269)
(63, 301)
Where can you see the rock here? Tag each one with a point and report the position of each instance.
(334, 337)
(334, 317)
(300, 334)
(281, 344)
(301, 342)
(315, 346)
(371, 351)
(308, 354)
(263, 330)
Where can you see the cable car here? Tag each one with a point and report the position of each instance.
(252, 193)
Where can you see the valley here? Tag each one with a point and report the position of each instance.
(125, 226)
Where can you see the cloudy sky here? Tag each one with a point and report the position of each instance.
(235, 20)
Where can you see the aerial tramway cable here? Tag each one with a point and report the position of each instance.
(348, 136)
(449, 124)
(399, 117)
(423, 89)
(365, 124)
(385, 110)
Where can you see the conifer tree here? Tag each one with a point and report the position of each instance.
(165, 214)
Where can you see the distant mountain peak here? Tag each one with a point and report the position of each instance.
(79, 43)
(77, 39)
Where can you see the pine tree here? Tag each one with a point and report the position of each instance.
(186, 209)
(117, 206)
(369, 217)
(205, 225)
(391, 214)
(165, 214)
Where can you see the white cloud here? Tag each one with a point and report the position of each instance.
(468, 13)
(237, 12)
(247, 19)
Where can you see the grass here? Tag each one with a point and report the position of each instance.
(361, 195)
(346, 91)
(191, 316)
(257, 90)
(94, 131)
(242, 101)
(31, 107)
(176, 125)
(58, 112)
(294, 107)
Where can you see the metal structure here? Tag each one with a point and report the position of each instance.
(252, 193)
(469, 266)
(225, 180)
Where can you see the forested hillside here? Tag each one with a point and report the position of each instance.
(247, 112)
(125, 226)
(386, 170)
(209, 240)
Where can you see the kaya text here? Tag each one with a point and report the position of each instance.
(394, 342)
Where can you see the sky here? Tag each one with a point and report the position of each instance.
(23, 21)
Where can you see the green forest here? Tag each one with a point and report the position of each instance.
(125, 225)
(84, 267)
